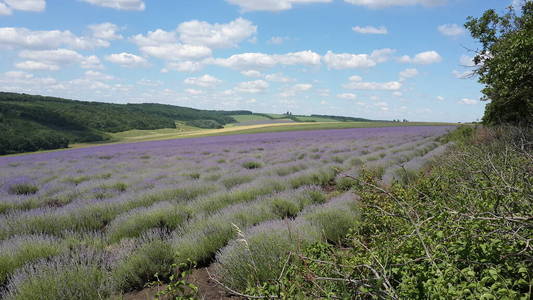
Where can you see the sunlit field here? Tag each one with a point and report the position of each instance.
(101, 221)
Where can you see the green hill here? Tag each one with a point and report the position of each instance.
(30, 123)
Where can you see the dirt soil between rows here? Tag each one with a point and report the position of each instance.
(207, 289)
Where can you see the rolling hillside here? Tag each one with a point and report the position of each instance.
(30, 123)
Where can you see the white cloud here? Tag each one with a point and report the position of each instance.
(295, 89)
(19, 81)
(301, 87)
(18, 75)
(466, 61)
(163, 44)
(147, 82)
(468, 101)
(382, 55)
(397, 94)
(125, 59)
(193, 40)
(194, 92)
(461, 75)
(278, 77)
(118, 4)
(203, 81)
(184, 66)
(323, 92)
(216, 35)
(106, 31)
(339, 61)
(253, 87)
(347, 96)
(91, 62)
(270, 5)
(4, 10)
(389, 3)
(26, 38)
(440, 98)
(299, 58)
(370, 30)
(246, 61)
(36, 66)
(90, 74)
(251, 73)
(26, 5)
(357, 83)
(423, 58)
(87, 83)
(154, 38)
(53, 60)
(451, 30)
(254, 61)
(383, 106)
(277, 40)
(408, 73)
(176, 51)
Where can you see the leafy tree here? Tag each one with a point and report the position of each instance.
(505, 64)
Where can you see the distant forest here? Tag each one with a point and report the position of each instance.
(30, 123)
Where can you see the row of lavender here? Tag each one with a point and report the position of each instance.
(122, 213)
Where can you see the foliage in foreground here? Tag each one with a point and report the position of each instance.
(462, 231)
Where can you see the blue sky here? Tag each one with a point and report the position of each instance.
(380, 59)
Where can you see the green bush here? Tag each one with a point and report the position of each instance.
(133, 224)
(333, 222)
(21, 250)
(259, 255)
(23, 189)
(201, 243)
(461, 231)
(73, 276)
(284, 208)
(138, 268)
(251, 165)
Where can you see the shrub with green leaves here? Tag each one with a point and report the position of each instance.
(258, 256)
(336, 218)
(20, 250)
(251, 165)
(132, 224)
(138, 268)
(23, 189)
(463, 231)
(78, 275)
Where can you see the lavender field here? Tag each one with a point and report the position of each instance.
(98, 222)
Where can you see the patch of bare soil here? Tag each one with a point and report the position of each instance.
(207, 289)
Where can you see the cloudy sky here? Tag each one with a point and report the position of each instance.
(381, 59)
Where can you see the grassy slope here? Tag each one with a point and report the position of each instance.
(316, 119)
(249, 118)
(30, 122)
